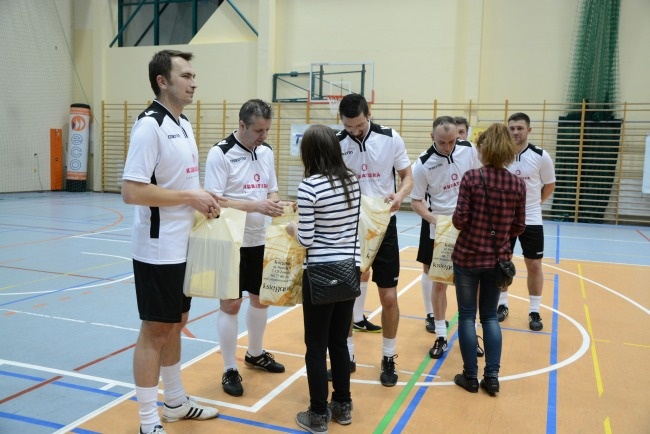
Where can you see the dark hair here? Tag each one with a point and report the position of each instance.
(255, 108)
(353, 105)
(496, 146)
(459, 120)
(442, 120)
(519, 116)
(320, 152)
(161, 64)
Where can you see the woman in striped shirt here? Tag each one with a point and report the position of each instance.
(328, 206)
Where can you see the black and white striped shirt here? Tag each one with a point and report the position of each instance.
(327, 226)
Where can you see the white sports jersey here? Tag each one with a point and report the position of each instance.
(164, 153)
(375, 159)
(440, 175)
(234, 172)
(535, 166)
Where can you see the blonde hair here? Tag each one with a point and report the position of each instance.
(496, 147)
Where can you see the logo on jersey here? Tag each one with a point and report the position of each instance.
(365, 174)
(257, 184)
(149, 113)
(518, 173)
(237, 160)
(348, 153)
(173, 136)
(436, 166)
(454, 182)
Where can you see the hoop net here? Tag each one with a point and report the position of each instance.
(334, 101)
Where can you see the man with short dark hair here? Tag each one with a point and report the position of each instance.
(375, 153)
(535, 166)
(161, 178)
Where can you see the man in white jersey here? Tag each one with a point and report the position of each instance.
(375, 153)
(241, 168)
(437, 173)
(161, 178)
(535, 166)
(425, 248)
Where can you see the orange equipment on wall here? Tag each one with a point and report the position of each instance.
(56, 159)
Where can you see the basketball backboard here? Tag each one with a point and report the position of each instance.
(341, 79)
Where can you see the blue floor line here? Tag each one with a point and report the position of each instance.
(415, 401)
(39, 422)
(551, 411)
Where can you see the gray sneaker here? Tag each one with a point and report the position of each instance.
(341, 412)
(312, 422)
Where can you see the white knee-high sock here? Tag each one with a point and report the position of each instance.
(256, 319)
(173, 385)
(427, 287)
(360, 302)
(147, 407)
(227, 330)
(441, 328)
(503, 298)
(388, 347)
(535, 302)
(351, 348)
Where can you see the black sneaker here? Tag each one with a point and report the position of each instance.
(490, 385)
(430, 324)
(353, 368)
(365, 326)
(502, 312)
(479, 350)
(312, 422)
(388, 376)
(469, 384)
(341, 412)
(438, 349)
(265, 362)
(231, 382)
(535, 321)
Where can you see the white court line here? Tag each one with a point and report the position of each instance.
(610, 290)
(96, 285)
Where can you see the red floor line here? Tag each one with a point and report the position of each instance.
(22, 392)
(114, 353)
(643, 235)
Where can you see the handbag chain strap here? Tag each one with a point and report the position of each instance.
(492, 231)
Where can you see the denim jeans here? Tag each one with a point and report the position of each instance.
(467, 288)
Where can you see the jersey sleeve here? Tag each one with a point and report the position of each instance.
(216, 171)
(143, 154)
(546, 170)
(420, 182)
(401, 159)
(306, 217)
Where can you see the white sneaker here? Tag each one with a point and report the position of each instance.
(158, 429)
(187, 410)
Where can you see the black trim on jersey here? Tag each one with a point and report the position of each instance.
(154, 228)
(158, 112)
(450, 158)
(536, 149)
(374, 128)
(227, 144)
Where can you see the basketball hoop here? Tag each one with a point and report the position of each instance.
(334, 101)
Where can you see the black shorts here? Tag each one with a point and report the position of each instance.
(425, 249)
(250, 269)
(531, 241)
(159, 291)
(385, 267)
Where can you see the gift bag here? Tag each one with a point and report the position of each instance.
(373, 221)
(283, 260)
(442, 269)
(213, 255)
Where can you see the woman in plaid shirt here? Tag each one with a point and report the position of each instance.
(474, 257)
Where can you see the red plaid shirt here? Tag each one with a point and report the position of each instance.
(507, 202)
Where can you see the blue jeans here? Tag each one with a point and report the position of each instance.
(467, 288)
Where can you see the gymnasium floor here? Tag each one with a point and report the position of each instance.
(69, 323)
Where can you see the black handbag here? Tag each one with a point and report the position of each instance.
(505, 270)
(335, 281)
